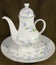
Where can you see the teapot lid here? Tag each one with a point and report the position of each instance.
(26, 11)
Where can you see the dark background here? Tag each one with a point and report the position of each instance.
(45, 9)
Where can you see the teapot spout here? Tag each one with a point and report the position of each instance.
(13, 30)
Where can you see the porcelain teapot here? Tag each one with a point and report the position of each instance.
(27, 34)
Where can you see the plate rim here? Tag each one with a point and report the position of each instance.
(30, 61)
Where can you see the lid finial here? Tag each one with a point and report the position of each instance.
(26, 4)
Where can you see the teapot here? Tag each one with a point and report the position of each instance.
(27, 34)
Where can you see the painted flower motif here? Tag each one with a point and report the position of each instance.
(41, 52)
(29, 42)
(26, 28)
(24, 24)
(31, 29)
(28, 12)
(7, 46)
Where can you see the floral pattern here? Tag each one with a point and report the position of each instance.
(39, 53)
(36, 56)
(28, 13)
(29, 28)
(23, 23)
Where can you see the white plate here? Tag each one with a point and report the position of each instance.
(47, 52)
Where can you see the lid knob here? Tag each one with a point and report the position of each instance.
(26, 4)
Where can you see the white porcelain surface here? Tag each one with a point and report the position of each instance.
(26, 11)
(27, 32)
(43, 50)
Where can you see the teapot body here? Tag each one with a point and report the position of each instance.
(27, 32)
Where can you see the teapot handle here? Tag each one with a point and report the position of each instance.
(44, 24)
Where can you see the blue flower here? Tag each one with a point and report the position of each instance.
(28, 12)
(24, 24)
